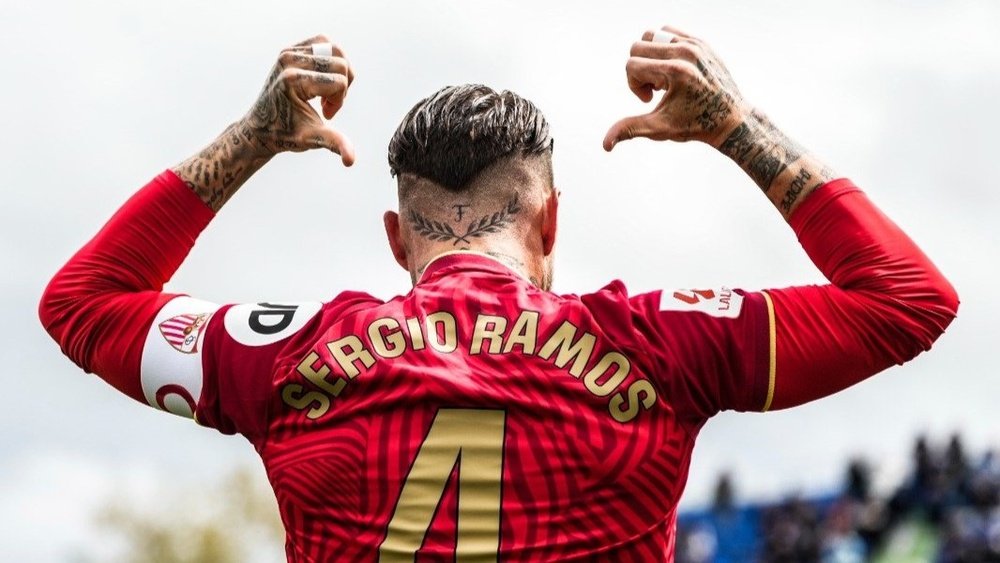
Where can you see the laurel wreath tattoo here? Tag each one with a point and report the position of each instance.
(487, 224)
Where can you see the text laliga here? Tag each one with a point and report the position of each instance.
(386, 338)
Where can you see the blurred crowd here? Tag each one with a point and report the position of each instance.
(947, 510)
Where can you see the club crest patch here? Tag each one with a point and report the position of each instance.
(182, 331)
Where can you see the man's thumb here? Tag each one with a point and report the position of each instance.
(629, 128)
(335, 141)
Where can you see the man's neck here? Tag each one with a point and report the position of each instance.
(513, 259)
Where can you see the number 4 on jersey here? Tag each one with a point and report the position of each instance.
(473, 439)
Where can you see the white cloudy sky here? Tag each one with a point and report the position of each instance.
(100, 96)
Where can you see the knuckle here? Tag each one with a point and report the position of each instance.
(688, 49)
(633, 65)
(287, 58)
(289, 75)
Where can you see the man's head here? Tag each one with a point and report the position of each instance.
(474, 172)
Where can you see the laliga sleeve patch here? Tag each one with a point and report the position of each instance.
(171, 370)
(722, 302)
(260, 324)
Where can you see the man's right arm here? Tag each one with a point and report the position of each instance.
(886, 301)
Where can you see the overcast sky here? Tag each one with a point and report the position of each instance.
(98, 97)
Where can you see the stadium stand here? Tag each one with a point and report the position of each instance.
(947, 510)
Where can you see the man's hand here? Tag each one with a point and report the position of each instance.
(701, 101)
(280, 120)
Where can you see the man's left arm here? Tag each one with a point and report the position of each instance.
(101, 305)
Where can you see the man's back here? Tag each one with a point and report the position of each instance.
(477, 413)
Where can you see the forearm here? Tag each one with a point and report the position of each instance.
(216, 172)
(784, 171)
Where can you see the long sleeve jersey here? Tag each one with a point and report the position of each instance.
(478, 417)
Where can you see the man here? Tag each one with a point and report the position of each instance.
(480, 416)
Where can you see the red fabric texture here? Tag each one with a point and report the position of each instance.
(99, 306)
(887, 302)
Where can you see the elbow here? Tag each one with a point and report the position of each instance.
(940, 304)
(53, 308)
(65, 296)
(928, 314)
(947, 298)
(913, 315)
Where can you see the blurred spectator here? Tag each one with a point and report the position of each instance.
(791, 532)
(949, 505)
(841, 541)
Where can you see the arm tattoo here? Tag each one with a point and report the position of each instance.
(761, 150)
(794, 189)
(487, 224)
(784, 170)
(215, 173)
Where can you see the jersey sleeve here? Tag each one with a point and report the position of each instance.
(711, 347)
(107, 310)
(885, 304)
(778, 348)
(243, 345)
(99, 305)
(216, 364)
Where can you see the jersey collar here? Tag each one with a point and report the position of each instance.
(465, 260)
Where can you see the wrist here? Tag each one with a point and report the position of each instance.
(741, 114)
(218, 170)
(255, 151)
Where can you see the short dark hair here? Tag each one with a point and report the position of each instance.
(457, 132)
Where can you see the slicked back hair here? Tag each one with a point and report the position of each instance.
(457, 132)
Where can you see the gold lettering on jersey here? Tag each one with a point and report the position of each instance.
(295, 396)
(630, 410)
(524, 333)
(318, 376)
(489, 328)
(346, 359)
(567, 347)
(416, 333)
(611, 359)
(442, 333)
(389, 344)
(579, 351)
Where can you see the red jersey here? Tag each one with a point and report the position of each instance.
(475, 415)
(479, 417)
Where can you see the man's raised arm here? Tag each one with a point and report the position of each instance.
(886, 302)
(100, 305)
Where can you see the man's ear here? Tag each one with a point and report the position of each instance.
(391, 221)
(550, 216)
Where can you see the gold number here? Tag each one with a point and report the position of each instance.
(473, 439)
